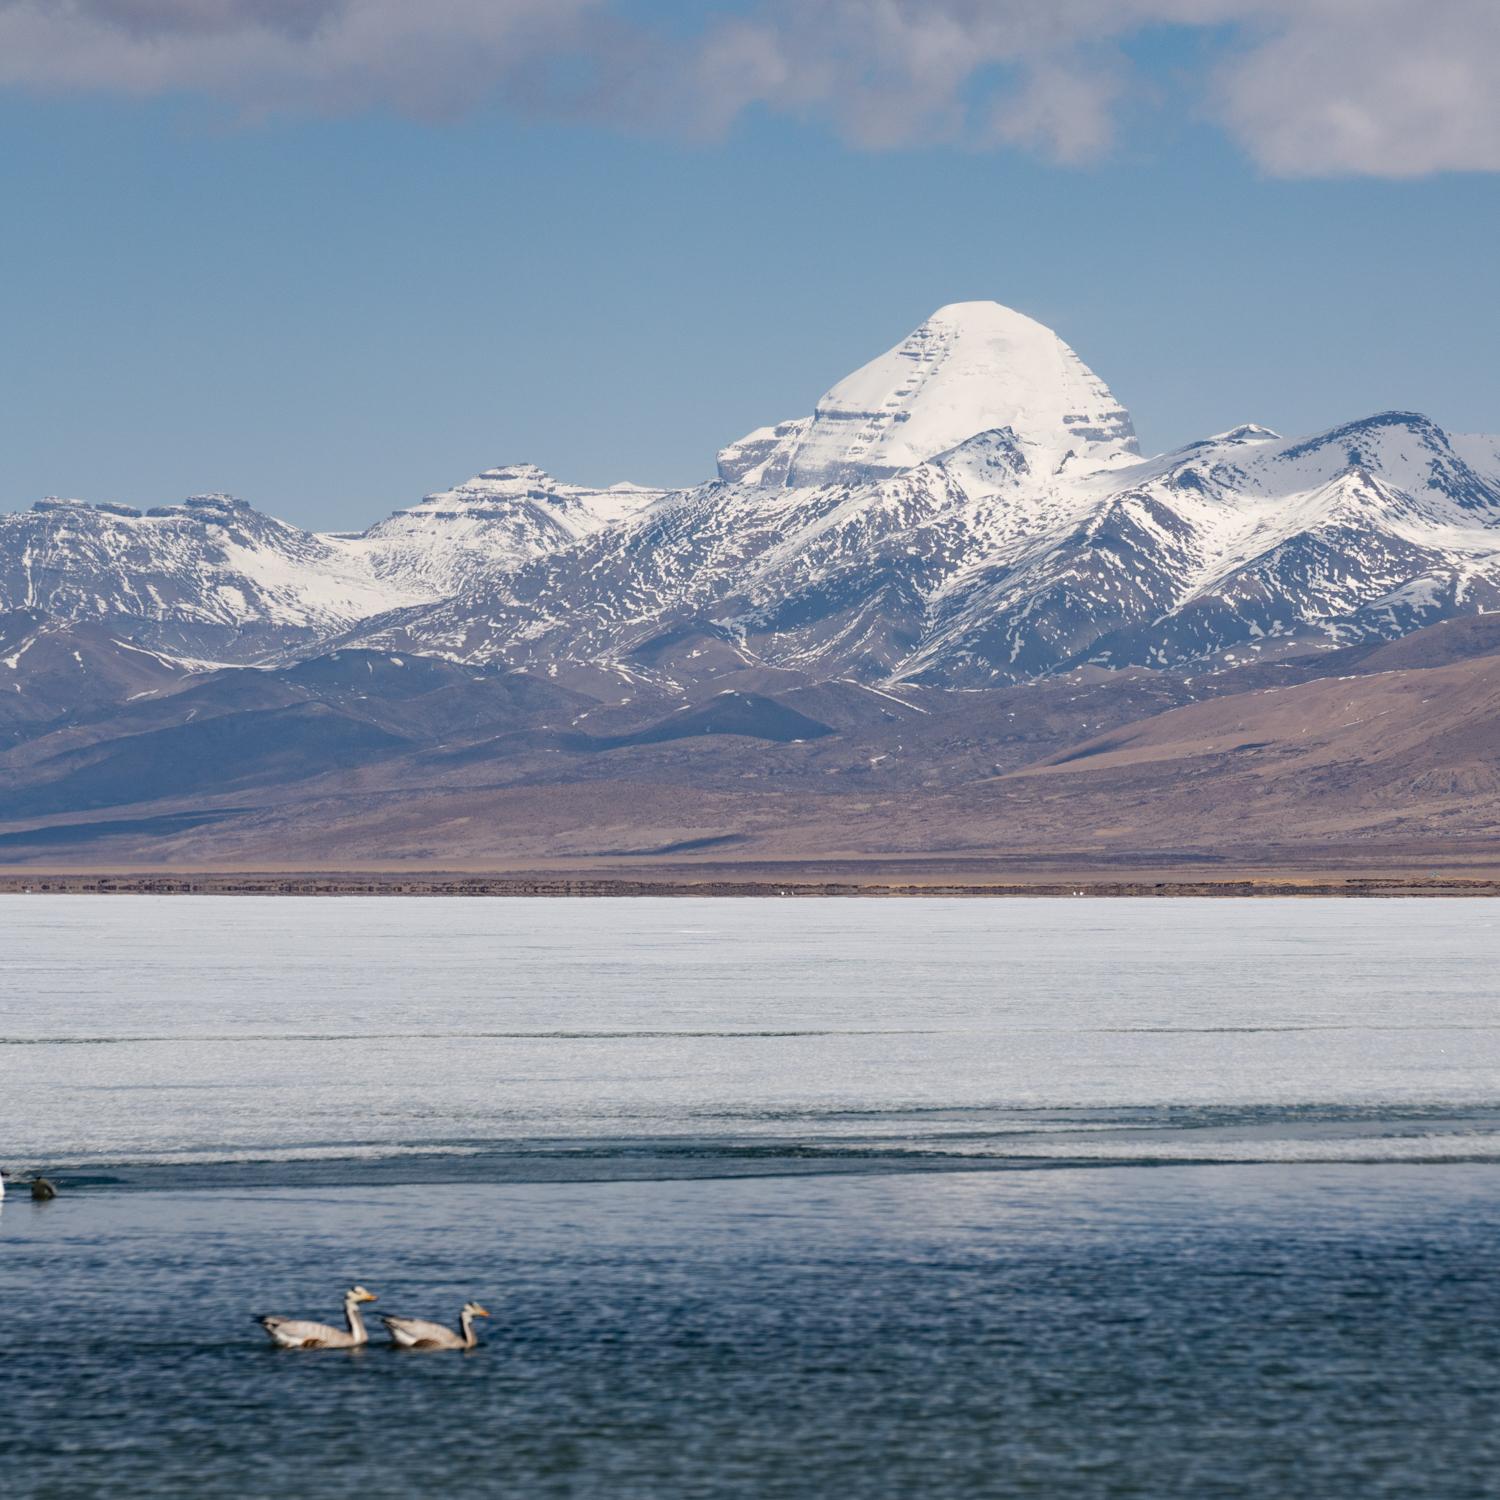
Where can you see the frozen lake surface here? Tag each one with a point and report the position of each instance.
(770, 1198)
(140, 1029)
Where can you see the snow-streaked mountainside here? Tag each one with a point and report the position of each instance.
(214, 578)
(967, 509)
(211, 577)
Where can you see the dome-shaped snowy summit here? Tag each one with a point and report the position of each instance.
(971, 367)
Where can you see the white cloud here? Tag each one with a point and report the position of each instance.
(1308, 87)
(897, 72)
(1391, 88)
(422, 57)
(1380, 87)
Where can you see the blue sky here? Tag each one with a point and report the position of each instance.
(331, 311)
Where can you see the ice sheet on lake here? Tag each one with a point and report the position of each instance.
(137, 1029)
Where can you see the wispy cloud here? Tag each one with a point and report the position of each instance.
(1307, 87)
(429, 58)
(1394, 88)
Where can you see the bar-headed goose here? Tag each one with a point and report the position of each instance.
(417, 1333)
(294, 1333)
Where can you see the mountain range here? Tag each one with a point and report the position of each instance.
(953, 614)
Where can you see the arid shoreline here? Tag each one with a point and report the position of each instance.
(556, 885)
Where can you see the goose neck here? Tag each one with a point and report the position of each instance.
(354, 1320)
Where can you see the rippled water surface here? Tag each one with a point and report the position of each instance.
(769, 1198)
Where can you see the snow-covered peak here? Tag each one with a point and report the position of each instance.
(1246, 432)
(573, 510)
(1404, 448)
(972, 367)
(502, 518)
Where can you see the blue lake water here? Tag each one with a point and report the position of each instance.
(768, 1198)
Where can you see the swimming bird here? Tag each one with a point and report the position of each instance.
(42, 1190)
(417, 1333)
(294, 1333)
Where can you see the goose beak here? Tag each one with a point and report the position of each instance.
(481, 1312)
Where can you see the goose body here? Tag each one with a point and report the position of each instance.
(418, 1333)
(298, 1333)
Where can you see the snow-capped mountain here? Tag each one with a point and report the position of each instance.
(1244, 541)
(501, 518)
(970, 367)
(209, 578)
(213, 578)
(971, 508)
(968, 509)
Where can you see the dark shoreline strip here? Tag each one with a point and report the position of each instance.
(561, 886)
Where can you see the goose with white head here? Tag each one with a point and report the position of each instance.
(297, 1333)
(417, 1333)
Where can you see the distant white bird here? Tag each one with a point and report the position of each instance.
(417, 1333)
(294, 1333)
